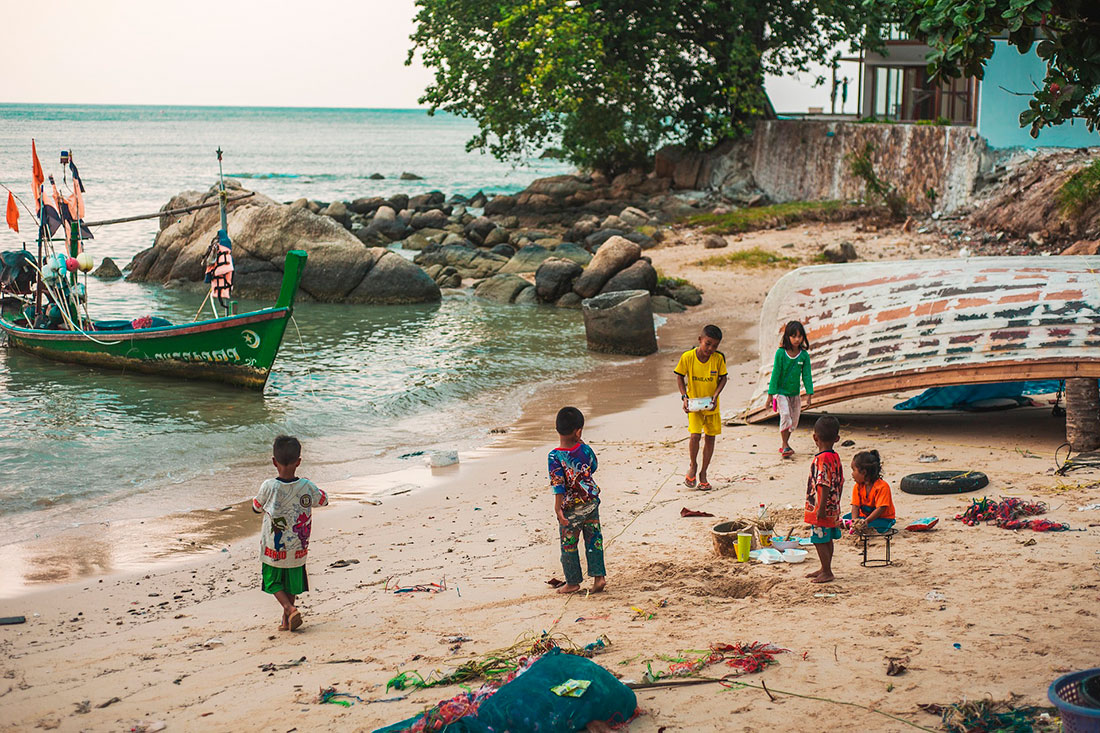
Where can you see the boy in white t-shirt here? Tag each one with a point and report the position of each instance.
(287, 505)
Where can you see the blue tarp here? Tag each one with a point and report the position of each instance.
(971, 396)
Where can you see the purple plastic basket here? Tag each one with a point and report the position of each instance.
(1078, 713)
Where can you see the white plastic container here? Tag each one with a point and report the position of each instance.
(794, 556)
(699, 404)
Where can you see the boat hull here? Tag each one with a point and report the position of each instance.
(236, 350)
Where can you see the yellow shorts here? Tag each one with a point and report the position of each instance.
(705, 422)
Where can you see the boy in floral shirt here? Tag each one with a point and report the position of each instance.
(823, 493)
(576, 502)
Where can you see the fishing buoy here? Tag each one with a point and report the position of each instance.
(85, 262)
(70, 264)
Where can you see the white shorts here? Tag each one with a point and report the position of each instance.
(790, 410)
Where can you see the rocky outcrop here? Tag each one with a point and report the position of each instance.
(501, 288)
(107, 270)
(339, 269)
(614, 255)
(620, 323)
(468, 261)
(527, 259)
(555, 277)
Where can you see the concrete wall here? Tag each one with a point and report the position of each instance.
(805, 161)
(1008, 74)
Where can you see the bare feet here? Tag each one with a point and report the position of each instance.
(823, 579)
(294, 619)
(598, 584)
(814, 574)
(569, 588)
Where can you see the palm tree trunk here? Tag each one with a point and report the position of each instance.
(1082, 414)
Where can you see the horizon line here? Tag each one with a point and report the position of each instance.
(214, 106)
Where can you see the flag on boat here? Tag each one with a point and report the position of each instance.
(76, 201)
(13, 213)
(219, 266)
(51, 213)
(37, 175)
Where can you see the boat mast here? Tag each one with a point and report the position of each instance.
(222, 203)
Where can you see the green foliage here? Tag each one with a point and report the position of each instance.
(609, 80)
(765, 217)
(961, 33)
(861, 166)
(1080, 190)
(754, 257)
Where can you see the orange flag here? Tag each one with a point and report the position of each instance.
(13, 213)
(38, 176)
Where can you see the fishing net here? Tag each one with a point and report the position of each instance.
(742, 658)
(1009, 513)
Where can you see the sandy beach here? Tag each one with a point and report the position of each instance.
(977, 611)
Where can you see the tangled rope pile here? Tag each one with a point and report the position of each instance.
(993, 715)
(1008, 513)
(744, 658)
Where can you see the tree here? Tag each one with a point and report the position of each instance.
(613, 79)
(1066, 34)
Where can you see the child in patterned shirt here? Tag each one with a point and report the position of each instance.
(576, 502)
(823, 493)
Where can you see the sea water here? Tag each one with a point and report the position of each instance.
(361, 385)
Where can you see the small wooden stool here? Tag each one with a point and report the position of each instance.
(869, 534)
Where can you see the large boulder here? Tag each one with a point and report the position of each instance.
(501, 288)
(639, 276)
(366, 206)
(555, 277)
(107, 270)
(393, 280)
(620, 323)
(500, 205)
(596, 239)
(338, 210)
(468, 261)
(263, 232)
(575, 252)
(615, 254)
(433, 218)
(382, 231)
(527, 259)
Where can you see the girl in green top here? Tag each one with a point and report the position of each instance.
(792, 362)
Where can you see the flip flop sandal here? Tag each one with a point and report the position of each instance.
(689, 481)
(704, 486)
(786, 453)
(295, 620)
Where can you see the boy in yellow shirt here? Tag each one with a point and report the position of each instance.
(701, 373)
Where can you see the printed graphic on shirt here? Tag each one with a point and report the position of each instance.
(287, 508)
(571, 474)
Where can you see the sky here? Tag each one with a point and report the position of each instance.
(324, 53)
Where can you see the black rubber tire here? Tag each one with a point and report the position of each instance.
(944, 482)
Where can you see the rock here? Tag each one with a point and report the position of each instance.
(840, 252)
(558, 186)
(338, 210)
(682, 165)
(642, 240)
(500, 205)
(434, 270)
(366, 206)
(481, 227)
(593, 241)
(665, 304)
(581, 229)
(376, 177)
(504, 250)
(1082, 247)
(107, 270)
(620, 323)
(555, 278)
(382, 231)
(470, 262)
(478, 200)
(406, 176)
(527, 259)
(508, 222)
(452, 238)
(639, 276)
(425, 201)
(713, 241)
(384, 213)
(398, 201)
(574, 252)
(527, 296)
(180, 201)
(393, 280)
(495, 237)
(448, 277)
(633, 217)
(431, 218)
(415, 241)
(302, 203)
(502, 288)
(613, 222)
(569, 300)
(686, 294)
(627, 180)
(614, 255)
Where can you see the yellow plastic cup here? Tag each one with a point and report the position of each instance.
(744, 546)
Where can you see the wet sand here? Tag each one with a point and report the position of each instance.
(184, 639)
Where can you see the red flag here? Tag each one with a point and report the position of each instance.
(13, 213)
(38, 176)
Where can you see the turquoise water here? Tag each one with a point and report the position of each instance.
(361, 385)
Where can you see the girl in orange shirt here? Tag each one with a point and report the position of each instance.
(872, 505)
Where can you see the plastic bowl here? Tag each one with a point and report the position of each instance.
(794, 556)
(781, 544)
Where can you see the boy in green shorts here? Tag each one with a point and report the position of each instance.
(701, 373)
(286, 503)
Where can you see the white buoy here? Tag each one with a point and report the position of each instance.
(85, 262)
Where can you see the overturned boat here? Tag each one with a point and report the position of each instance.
(879, 327)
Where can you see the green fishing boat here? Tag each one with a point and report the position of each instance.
(51, 319)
